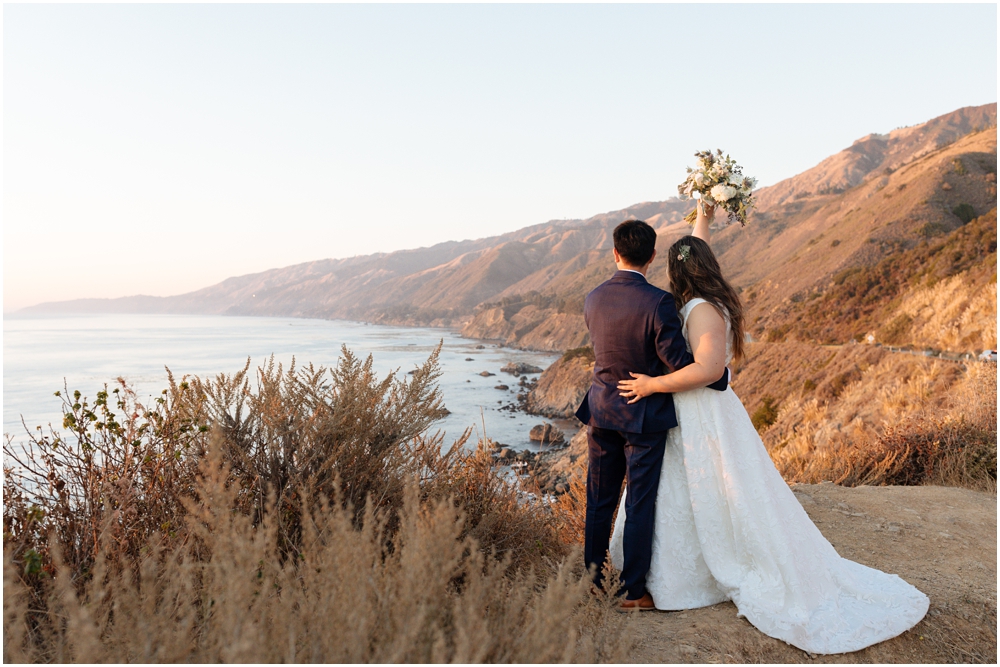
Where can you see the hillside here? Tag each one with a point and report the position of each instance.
(881, 197)
(796, 250)
(440, 285)
(805, 255)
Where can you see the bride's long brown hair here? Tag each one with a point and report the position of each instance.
(695, 272)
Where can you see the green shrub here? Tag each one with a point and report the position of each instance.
(586, 353)
(765, 415)
(571, 305)
(777, 334)
(931, 229)
(965, 213)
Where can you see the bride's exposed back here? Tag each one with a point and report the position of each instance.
(727, 526)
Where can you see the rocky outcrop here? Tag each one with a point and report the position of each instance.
(553, 470)
(530, 328)
(562, 386)
(546, 434)
(520, 368)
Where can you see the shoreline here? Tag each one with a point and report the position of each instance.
(87, 351)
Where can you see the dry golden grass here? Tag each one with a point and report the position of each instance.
(353, 593)
(952, 443)
(307, 518)
(955, 314)
(859, 393)
(570, 508)
(859, 414)
(939, 294)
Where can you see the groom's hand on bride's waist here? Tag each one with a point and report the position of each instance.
(640, 386)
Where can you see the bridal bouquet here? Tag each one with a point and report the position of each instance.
(719, 181)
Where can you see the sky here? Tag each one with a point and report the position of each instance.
(158, 149)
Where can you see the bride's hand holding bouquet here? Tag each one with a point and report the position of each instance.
(717, 181)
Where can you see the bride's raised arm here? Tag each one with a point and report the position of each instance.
(703, 220)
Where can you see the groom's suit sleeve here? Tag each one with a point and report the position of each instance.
(670, 344)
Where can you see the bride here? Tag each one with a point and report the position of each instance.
(727, 526)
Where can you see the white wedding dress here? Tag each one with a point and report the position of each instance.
(728, 527)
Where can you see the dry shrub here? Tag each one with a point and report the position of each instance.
(117, 469)
(956, 448)
(497, 516)
(354, 593)
(885, 389)
(321, 521)
(120, 471)
(570, 508)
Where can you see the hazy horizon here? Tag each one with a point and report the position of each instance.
(160, 149)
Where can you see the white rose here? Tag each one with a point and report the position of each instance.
(699, 178)
(736, 179)
(721, 193)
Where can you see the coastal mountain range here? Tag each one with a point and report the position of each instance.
(814, 240)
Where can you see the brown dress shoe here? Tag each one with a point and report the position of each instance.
(645, 603)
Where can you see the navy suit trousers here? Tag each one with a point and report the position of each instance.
(637, 459)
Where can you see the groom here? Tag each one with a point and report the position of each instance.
(634, 327)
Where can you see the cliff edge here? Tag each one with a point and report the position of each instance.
(940, 539)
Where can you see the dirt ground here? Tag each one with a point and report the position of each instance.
(941, 540)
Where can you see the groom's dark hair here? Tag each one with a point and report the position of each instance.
(635, 242)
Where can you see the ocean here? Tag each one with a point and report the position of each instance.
(44, 354)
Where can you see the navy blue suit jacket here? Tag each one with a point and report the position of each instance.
(634, 327)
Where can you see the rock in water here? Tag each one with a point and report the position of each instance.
(487, 374)
(546, 433)
(520, 368)
(502, 387)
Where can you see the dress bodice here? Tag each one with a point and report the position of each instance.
(686, 310)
